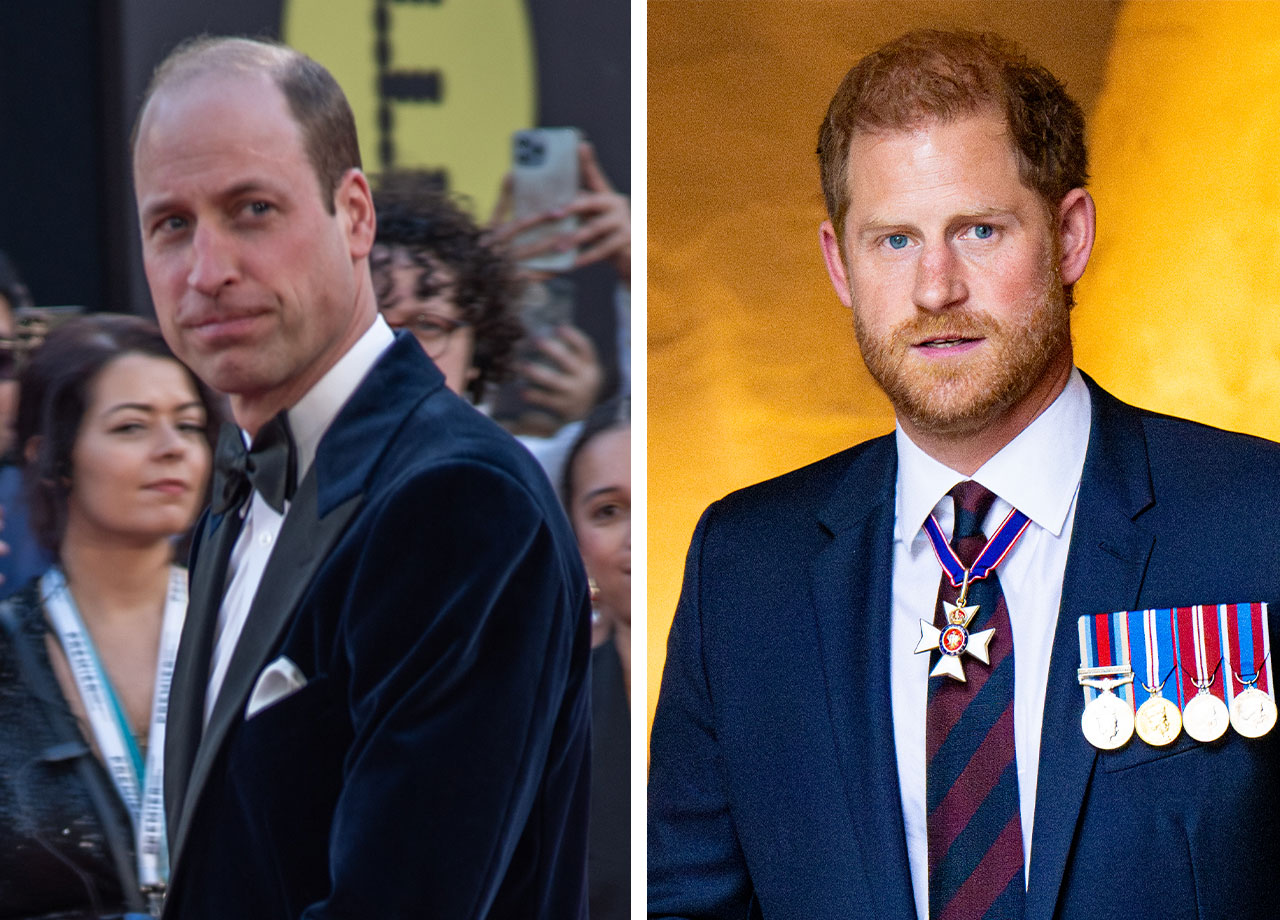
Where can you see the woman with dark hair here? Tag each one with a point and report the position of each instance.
(115, 436)
(597, 494)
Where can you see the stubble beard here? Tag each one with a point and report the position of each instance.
(963, 396)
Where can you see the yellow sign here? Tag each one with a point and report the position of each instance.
(475, 57)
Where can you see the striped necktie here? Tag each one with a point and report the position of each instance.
(974, 824)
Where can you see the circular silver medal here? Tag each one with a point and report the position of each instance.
(1205, 717)
(1158, 721)
(1107, 721)
(1253, 713)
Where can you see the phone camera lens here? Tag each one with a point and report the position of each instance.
(530, 151)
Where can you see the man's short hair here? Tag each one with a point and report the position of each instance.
(929, 75)
(315, 99)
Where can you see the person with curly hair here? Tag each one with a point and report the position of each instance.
(436, 275)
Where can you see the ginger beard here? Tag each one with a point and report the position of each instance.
(962, 396)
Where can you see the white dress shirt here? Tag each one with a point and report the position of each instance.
(308, 421)
(1038, 473)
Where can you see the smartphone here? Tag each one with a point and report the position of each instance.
(544, 176)
(543, 306)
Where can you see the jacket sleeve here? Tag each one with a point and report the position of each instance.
(696, 867)
(466, 646)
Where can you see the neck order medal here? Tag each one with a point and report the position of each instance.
(955, 640)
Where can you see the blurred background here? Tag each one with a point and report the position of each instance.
(752, 365)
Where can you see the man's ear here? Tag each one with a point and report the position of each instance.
(833, 255)
(353, 204)
(1077, 223)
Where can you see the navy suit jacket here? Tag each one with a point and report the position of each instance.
(435, 763)
(773, 786)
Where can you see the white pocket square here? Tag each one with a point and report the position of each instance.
(278, 680)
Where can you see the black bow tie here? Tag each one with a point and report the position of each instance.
(268, 465)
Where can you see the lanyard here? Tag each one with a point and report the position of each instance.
(141, 786)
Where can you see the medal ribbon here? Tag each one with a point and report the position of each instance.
(141, 785)
(1104, 643)
(1186, 641)
(1200, 649)
(1244, 627)
(1166, 642)
(1007, 534)
(1155, 658)
(1145, 664)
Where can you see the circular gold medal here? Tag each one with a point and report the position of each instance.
(1158, 721)
(1253, 713)
(1205, 717)
(1107, 721)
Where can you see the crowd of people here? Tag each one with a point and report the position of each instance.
(141, 732)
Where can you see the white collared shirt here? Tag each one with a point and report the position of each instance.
(309, 418)
(1038, 473)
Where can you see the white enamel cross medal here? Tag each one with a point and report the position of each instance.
(955, 640)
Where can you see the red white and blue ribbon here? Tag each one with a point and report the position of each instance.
(1105, 643)
(1154, 655)
(1001, 542)
(1224, 648)
(1246, 648)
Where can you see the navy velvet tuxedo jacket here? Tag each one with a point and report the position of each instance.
(435, 763)
(773, 786)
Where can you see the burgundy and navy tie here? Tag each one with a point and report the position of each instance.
(974, 824)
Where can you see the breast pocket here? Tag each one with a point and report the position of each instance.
(1137, 752)
(297, 718)
(285, 767)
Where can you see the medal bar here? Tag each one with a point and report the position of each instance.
(1220, 655)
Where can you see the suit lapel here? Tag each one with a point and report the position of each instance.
(185, 723)
(851, 598)
(327, 498)
(1105, 568)
(304, 541)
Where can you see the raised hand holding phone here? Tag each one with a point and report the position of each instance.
(593, 225)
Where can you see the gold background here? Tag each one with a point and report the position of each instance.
(753, 369)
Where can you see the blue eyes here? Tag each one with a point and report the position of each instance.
(900, 241)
